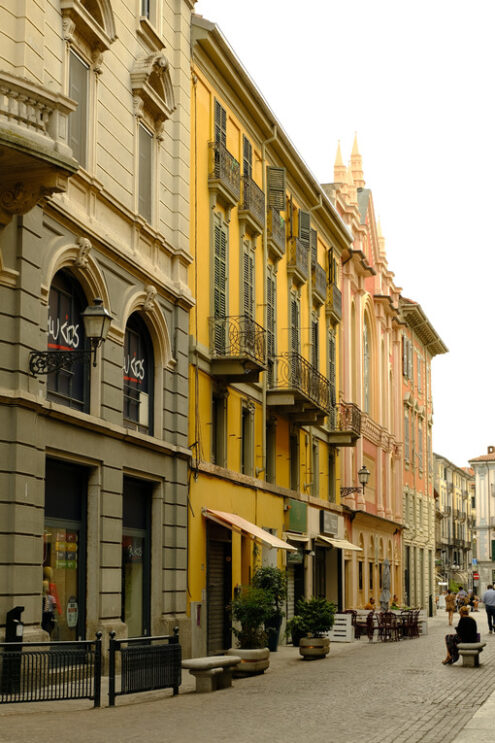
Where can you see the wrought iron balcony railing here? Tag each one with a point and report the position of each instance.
(292, 371)
(319, 283)
(276, 233)
(253, 202)
(224, 173)
(297, 259)
(334, 302)
(238, 337)
(349, 418)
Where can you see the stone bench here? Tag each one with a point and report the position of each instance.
(470, 652)
(212, 673)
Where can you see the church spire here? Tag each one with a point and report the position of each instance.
(357, 165)
(339, 169)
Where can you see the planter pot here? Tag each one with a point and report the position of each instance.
(272, 628)
(312, 648)
(253, 661)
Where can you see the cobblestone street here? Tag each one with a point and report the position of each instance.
(362, 692)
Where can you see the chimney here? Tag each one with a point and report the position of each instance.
(491, 450)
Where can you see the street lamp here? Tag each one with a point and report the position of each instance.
(363, 476)
(97, 321)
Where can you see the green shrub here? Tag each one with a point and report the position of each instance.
(251, 609)
(274, 581)
(314, 616)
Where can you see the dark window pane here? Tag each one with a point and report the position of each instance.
(78, 91)
(138, 375)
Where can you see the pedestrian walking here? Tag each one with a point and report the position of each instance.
(450, 605)
(461, 597)
(466, 631)
(489, 602)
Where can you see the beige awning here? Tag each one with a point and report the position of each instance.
(295, 537)
(341, 544)
(256, 531)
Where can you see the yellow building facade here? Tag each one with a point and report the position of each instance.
(266, 415)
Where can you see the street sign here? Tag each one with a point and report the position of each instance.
(476, 576)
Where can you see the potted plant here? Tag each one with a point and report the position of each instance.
(274, 581)
(250, 609)
(315, 617)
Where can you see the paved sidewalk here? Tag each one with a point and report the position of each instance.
(362, 693)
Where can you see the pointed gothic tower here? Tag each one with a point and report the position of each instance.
(357, 165)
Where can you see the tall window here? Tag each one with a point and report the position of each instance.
(136, 556)
(366, 368)
(248, 281)
(247, 158)
(271, 451)
(294, 461)
(406, 436)
(138, 376)
(332, 379)
(220, 285)
(420, 445)
(247, 440)
(66, 333)
(271, 299)
(315, 468)
(145, 167)
(219, 428)
(78, 120)
(331, 478)
(146, 8)
(315, 337)
(294, 324)
(220, 124)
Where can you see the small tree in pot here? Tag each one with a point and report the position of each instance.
(274, 581)
(250, 609)
(314, 618)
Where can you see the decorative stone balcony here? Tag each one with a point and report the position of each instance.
(252, 206)
(297, 260)
(35, 157)
(333, 304)
(319, 276)
(276, 234)
(296, 388)
(345, 426)
(237, 348)
(224, 175)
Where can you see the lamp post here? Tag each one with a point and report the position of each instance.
(363, 476)
(97, 321)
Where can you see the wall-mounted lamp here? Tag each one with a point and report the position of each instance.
(97, 321)
(364, 476)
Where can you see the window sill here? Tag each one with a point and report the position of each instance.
(149, 35)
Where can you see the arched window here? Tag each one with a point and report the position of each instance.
(66, 333)
(138, 376)
(366, 368)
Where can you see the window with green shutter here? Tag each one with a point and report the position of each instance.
(220, 285)
(275, 178)
(313, 242)
(332, 378)
(304, 222)
(294, 324)
(248, 282)
(315, 349)
(247, 158)
(220, 124)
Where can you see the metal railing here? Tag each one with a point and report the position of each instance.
(292, 371)
(320, 281)
(224, 168)
(253, 200)
(276, 230)
(334, 301)
(297, 257)
(47, 671)
(146, 663)
(237, 336)
(349, 418)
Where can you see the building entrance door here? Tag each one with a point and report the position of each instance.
(219, 588)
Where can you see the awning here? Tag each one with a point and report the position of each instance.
(295, 537)
(341, 544)
(256, 531)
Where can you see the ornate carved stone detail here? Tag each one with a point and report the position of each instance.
(84, 245)
(97, 58)
(68, 28)
(137, 105)
(149, 302)
(19, 199)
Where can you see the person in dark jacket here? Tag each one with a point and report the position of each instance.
(466, 631)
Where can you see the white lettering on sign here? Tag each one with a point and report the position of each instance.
(69, 334)
(134, 369)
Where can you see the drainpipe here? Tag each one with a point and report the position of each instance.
(265, 273)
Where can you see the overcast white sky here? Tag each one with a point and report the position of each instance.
(416, 81)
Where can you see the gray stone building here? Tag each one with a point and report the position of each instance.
(94, 203)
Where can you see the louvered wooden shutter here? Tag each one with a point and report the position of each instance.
(313, 241)
(304, 227)
(314, 343)
(248, 289)
(220, 290)
(270, 315)
(275, 178)
(331, 367)
(331, 272)
(78, 91)
(294, 325)
(410, 361)
(220, 124)
(247, 158)
(404, 356)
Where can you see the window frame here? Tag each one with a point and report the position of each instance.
(142, 333)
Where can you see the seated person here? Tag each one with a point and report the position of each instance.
(370, 604)
(466, 631)
(394, 604)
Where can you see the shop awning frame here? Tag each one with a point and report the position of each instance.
(234, 520)
(341, 544)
